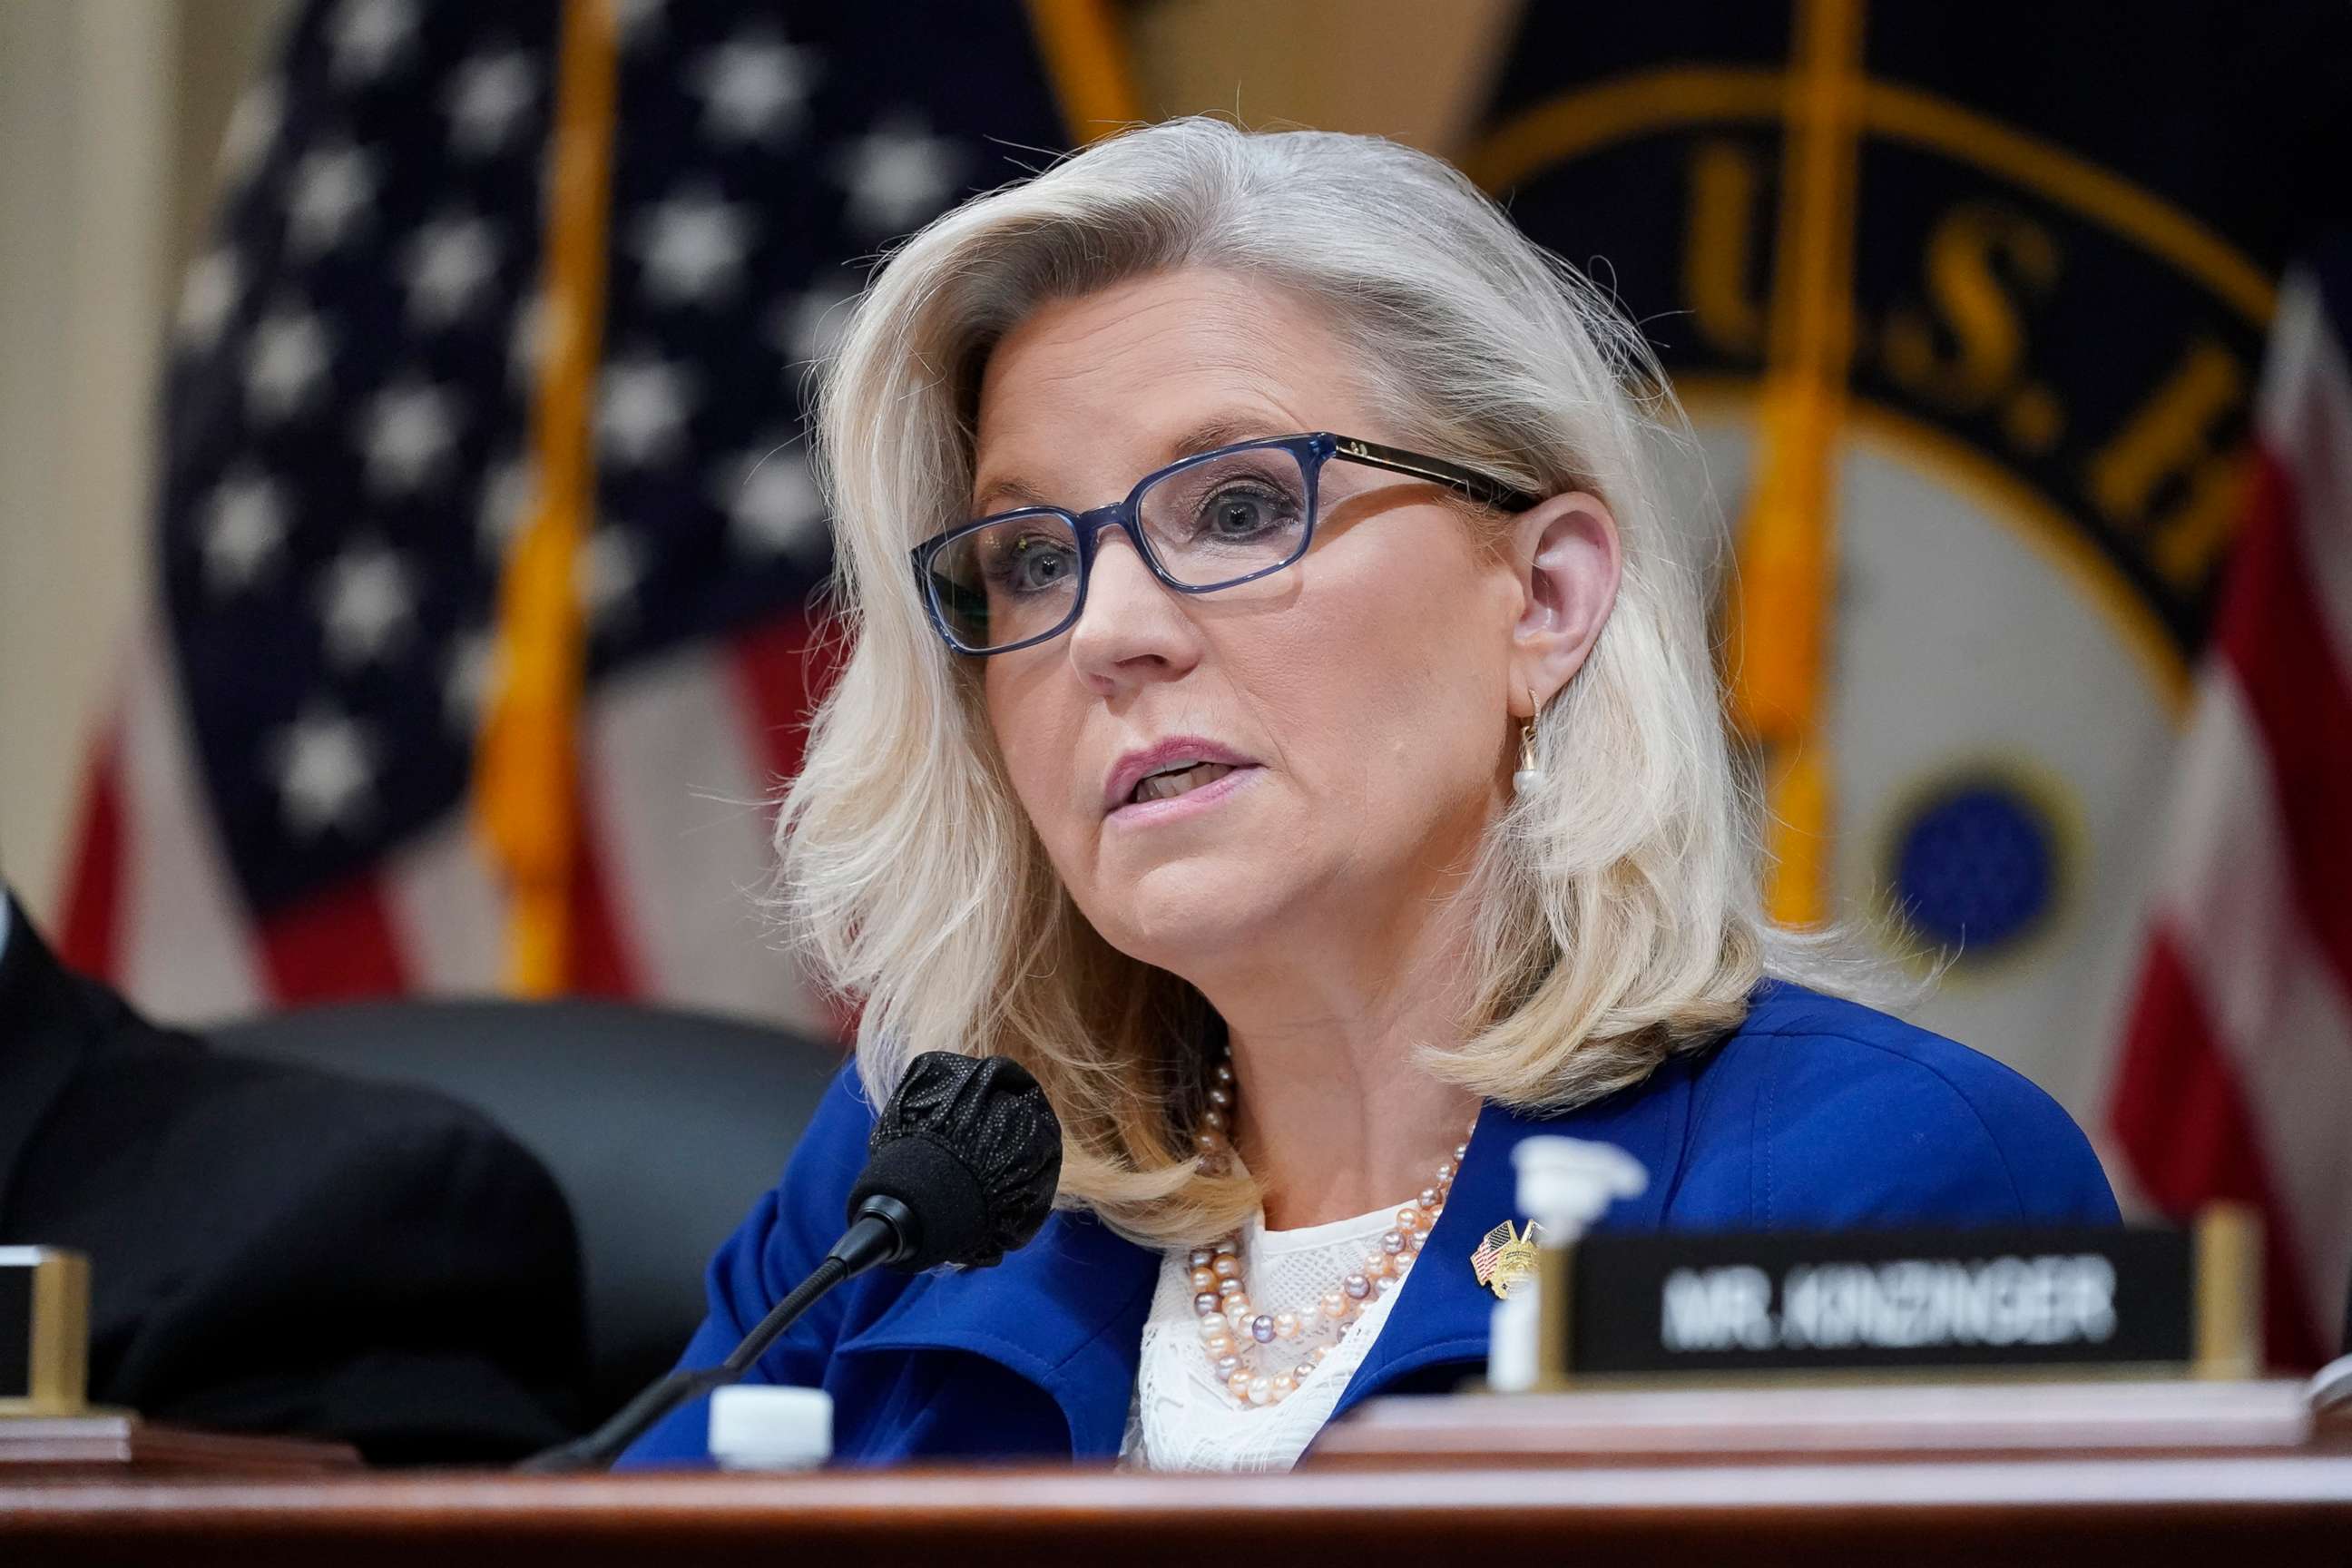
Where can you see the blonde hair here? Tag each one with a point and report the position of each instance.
(1616, 912)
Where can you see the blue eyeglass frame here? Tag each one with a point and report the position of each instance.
(1312, 450)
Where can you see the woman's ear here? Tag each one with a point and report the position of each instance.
(1565, 555)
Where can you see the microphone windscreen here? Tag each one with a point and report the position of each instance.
(970, 1145)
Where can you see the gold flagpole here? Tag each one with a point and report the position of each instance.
(1783, 599)
(1086, 57)
(526, 773)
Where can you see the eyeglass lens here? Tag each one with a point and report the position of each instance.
(1208, 524)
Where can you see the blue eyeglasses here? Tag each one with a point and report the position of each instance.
(1216, 520)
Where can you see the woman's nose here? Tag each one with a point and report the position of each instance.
(1133, 629)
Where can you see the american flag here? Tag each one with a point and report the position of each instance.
(2236, 1076)
(1489, 1251)
(280, 812)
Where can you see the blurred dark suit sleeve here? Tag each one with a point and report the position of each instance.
(276, 1249)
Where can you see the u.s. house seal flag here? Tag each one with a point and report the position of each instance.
(1968, 306)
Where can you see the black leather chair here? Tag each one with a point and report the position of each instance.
(662, 1127)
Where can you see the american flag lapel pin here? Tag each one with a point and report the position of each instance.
(1504, 1257)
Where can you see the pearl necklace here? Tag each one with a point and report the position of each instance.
(1242, 1342)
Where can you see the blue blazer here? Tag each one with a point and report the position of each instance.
(1814, 1113)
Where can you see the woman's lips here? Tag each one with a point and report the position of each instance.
(1175, 751)
(1191, 803)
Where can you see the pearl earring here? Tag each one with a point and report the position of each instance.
(1529, 778)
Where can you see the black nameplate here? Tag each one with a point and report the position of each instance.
(1859, 1300)
(15, 1330)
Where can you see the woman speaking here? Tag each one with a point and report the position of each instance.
(1276, 716)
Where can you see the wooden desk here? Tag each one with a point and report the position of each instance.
(2242, 1482)
(2145, 1511)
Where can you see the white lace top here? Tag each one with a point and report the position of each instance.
(1184, 1418)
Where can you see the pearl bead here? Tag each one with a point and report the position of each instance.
(1222, 1301)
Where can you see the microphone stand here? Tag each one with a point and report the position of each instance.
(882, 1233)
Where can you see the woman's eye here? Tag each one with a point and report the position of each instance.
(1243, 513)
(1031, 564)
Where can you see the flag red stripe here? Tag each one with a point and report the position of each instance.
(781, 672)
(333, 946)
(89, 932)
(602, 962)
(2182, 1120)
(778, 678)
(2271, 629)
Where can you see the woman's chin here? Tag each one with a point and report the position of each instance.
(1201, 913)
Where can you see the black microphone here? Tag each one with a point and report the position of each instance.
(961, 1169)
